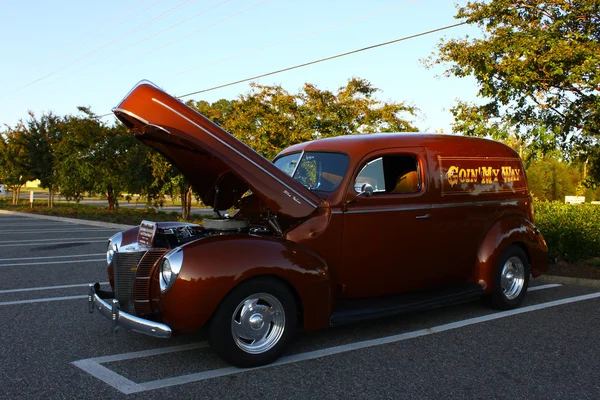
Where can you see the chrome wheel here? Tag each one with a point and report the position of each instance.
(258, 323)
(512, 278)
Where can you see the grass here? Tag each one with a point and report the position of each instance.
(594, 262)
(123, 215)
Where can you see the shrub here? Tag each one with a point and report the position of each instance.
(572, 231)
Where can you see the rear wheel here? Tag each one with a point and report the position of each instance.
(511, 280)
(254, 323)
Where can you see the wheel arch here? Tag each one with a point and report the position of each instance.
(215, 266)
(504, 232)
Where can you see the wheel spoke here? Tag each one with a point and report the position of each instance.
(258, 323)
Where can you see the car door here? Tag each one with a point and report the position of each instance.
(385, 246)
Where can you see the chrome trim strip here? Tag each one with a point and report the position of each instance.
(119, 318)
(474, 203)
(297, 164)
(395, 209)
(236, 151)
(431, 206)
(142, 120)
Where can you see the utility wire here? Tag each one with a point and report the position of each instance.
(322, 59)
(80, 38)
(180, 5)
(113, 54)
(288, 40)
(316, 61)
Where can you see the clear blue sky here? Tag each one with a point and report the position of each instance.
(59, 55)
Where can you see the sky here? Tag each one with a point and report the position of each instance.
(60, 55)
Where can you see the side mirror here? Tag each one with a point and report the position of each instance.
(366, 190)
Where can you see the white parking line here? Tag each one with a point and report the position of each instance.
(540, 287)
(93, 365)
(58, 230)
(50, 257)
(53, 262)
(10, 303)
(62, 224)
(47, 288)
(50, 244)
(51, 240)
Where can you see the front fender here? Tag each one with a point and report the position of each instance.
(213, 266)
(504, 233)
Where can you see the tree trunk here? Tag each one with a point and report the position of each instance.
(16, 192)
(186, 202)
(110, 195)
(188, 195)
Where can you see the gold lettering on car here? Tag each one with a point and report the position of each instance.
(484, 175)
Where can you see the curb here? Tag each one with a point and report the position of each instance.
(70, 220)
(565, 280)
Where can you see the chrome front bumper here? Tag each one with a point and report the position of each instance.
(119, 318)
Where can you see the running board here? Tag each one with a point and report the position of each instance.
(348, 311)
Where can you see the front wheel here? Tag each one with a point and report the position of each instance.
(254, 323)
(511, 280)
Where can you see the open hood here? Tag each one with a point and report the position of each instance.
(215, 163)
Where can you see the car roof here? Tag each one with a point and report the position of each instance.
(361, 144)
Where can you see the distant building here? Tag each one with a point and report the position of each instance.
(32, 184)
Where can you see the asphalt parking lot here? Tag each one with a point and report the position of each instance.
(51, 347)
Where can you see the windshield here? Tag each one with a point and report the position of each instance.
(315, 170)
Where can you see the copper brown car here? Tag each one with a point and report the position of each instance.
(333, 231)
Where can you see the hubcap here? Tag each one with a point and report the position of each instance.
(512, 279)
(257, 323)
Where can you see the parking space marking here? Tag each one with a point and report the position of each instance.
(50, 240)
(10, 303)
(50, 257)
(93, 365)
(541, 287)
(53, 262)
(47, 288)
(61, 224)
(50, 244)
(58, 230)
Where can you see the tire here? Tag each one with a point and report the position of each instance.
(254, 323)
(511, 279)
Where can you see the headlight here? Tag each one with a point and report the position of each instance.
(113, 246)
(169, 268)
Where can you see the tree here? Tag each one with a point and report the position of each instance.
(15, 167)
(269, 118)
(42, 137)
(551, 179)
(536, 65)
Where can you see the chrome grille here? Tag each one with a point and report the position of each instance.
(125, 267)
(143, 276)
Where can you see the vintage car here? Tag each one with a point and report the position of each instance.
(331, 232)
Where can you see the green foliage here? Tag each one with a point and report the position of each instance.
(15, 164)
(551, 179)
(572, 231)
(130, 216)
(270, 119)
(536, 66)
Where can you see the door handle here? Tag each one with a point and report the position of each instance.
(426, 216)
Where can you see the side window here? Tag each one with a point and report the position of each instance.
(390, 174)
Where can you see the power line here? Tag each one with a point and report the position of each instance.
(177, 7)
(80, 38)
(323, 59)
(316, 61)
(288, 40)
